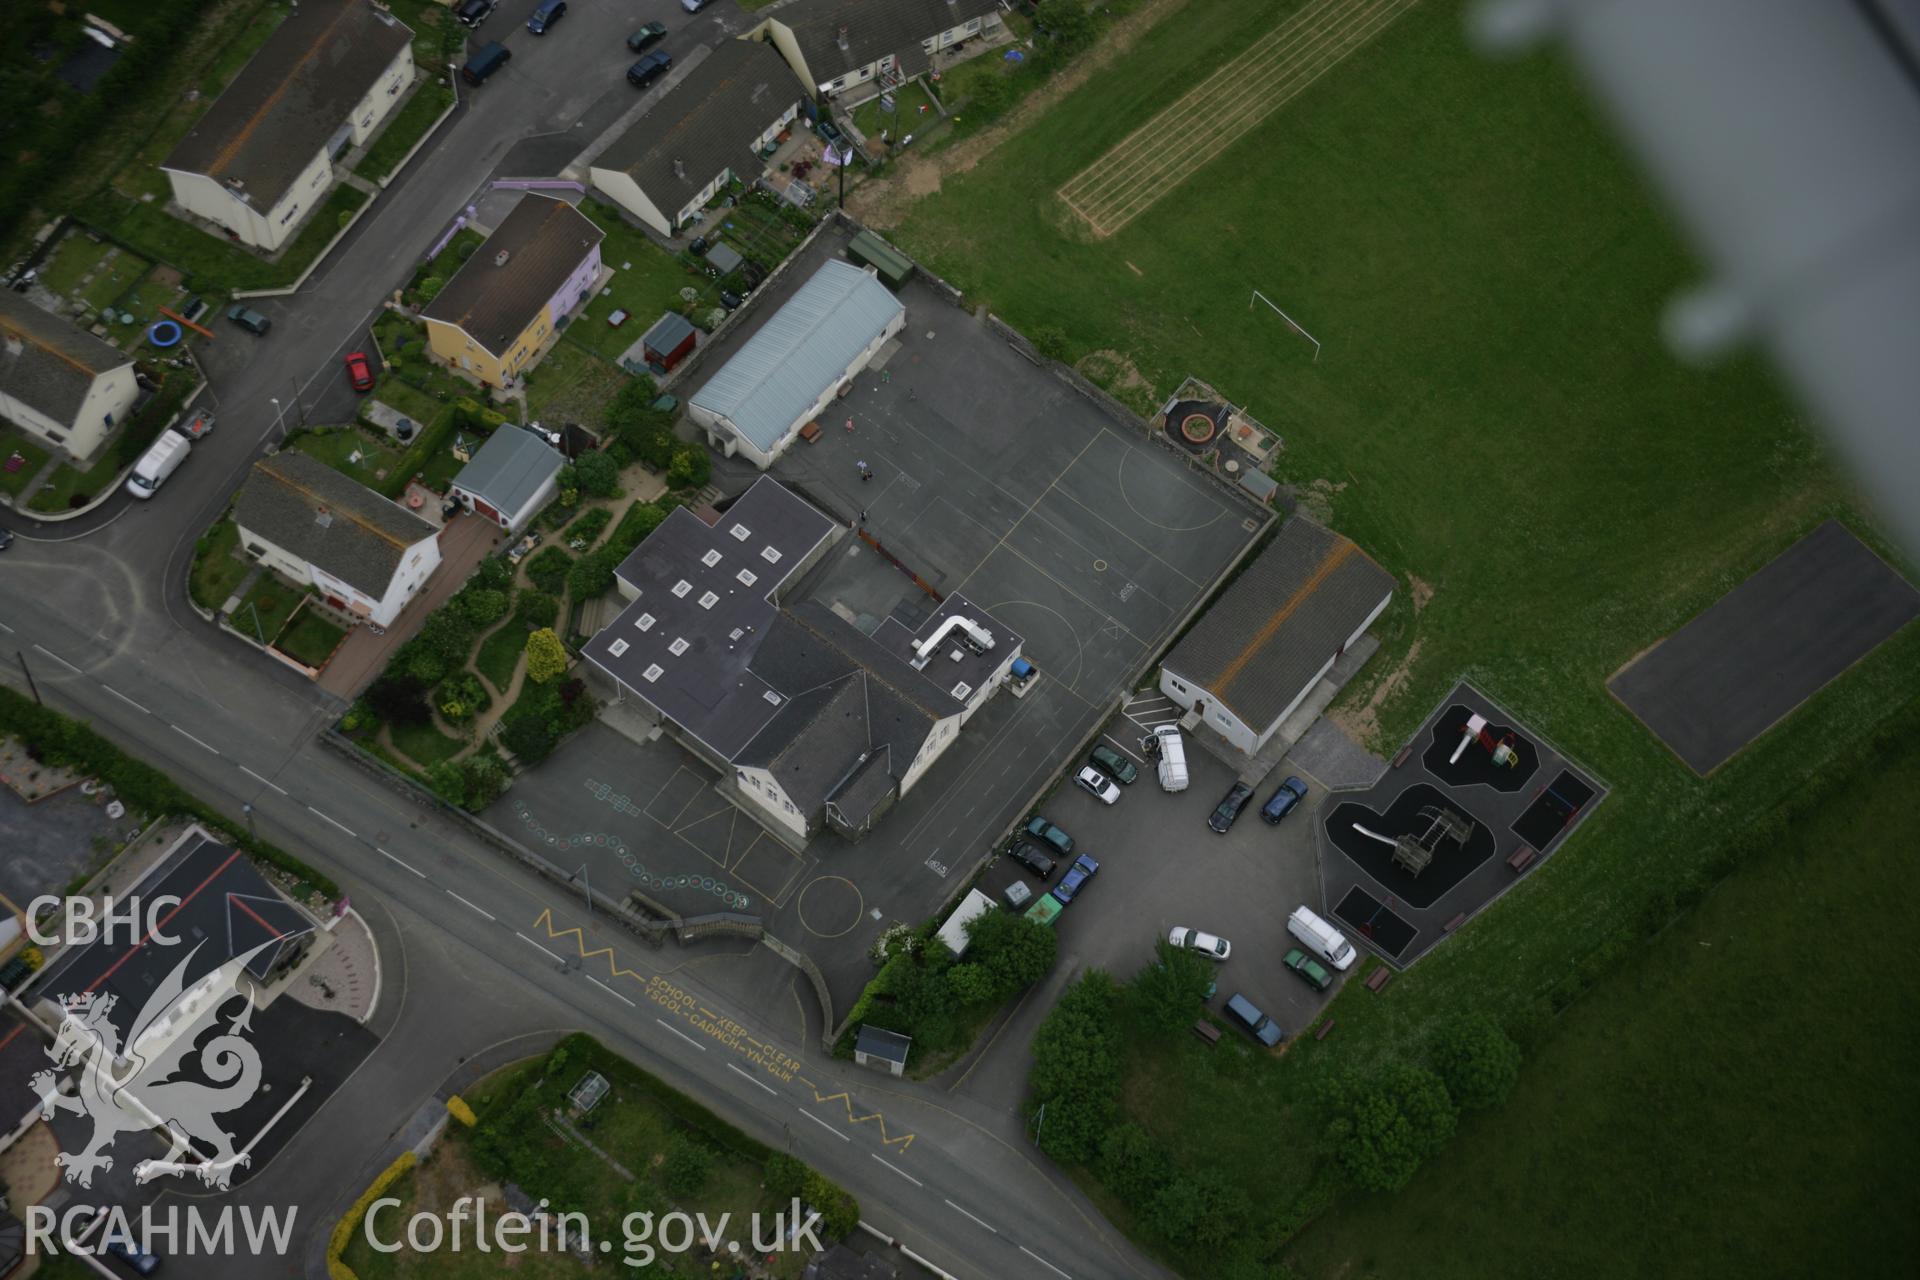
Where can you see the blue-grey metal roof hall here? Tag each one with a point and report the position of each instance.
(509, 469)
(798, 353)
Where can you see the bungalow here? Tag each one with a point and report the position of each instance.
(704, 131)
(58, 381)
(509, 479)
(367, 554)
(262, 156)
(512, 295)
(838, 45)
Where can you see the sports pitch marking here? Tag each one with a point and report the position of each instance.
(1220, 110)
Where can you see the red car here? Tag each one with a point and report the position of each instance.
(359, 371)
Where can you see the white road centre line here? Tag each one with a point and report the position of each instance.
(897, 1169)
(57, 658)
(748, 1077)
(823, 1124)
(982, 1221)
(266, 782)
(4, 627)
(683, 1035)
(610, 991)
(198, 743)
(335, 822)
(124, 698)
(1043, 1262)
(470, 906)
(536, 946)
(390, 858)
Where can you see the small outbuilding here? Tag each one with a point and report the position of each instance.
(509, 479)
(894, 267)
(881, 1049)
(670, 341)
(725, 259)
(954, 931)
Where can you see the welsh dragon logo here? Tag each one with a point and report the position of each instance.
(128, 1088)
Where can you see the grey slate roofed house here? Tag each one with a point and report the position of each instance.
(59, 381)
(839, 37)
(312, 512)
(1266, 641)
(703, 128)
(501, 291)
(509, 477)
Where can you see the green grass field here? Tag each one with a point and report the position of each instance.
(428, 103)
(352, 452)
(310, 638)
(1736, 1092)
(219, 571)
(1492, 415)
(266, 608)
(424, 744)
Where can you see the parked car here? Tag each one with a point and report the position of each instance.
(1032, 859)
(648, 69)
(1082, 870)
(1041, 829)
(1091, 779)
(249, 319)
(1229, 808)
(1205, 943)
(1114, 765)
(1257, 1024)
(545, 14)
(486, 60)
(474, 12)
(142, 1263)
(1309, 970)
(6, 537)
(646, 37)
(359, 372)
(1281, 802)
(693, 6)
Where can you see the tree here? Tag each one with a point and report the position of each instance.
(536, 609)
(460, 697)
(547, 570)
(1076, 1068)
(972, 984)
(786, 1176)
(1476, 1060)
(597, 475)
(481, 606)
(1015, 951)
(1171, 992)
(530, 738)
(592, 574)
(494, 573)
(1133, 1165)
(690, 469)
(684, 1170)
(546, 656)
(398, 699)
(1387, 1125)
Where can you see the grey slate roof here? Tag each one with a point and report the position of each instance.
(493, 302)
(509, 469)
(874, 28)
(668, 332)
(881, 1043)
(1256, 646)
(802, 349)
(309, 510)
(863, 790)
(290, 98)
(48, 362)
(707, 122)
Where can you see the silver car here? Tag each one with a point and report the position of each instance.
(1206, 944)
(1091, 779)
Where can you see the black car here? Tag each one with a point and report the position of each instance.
(474, 12)
(648, 69)
(1113, 764)
(1032, 859)
(1229, 808)
(646, 37)
(6, 538)
(545, 15)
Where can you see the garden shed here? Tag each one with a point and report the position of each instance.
(669, 341)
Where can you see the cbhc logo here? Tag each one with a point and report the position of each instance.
(84, 923)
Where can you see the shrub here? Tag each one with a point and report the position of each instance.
(591, 574)
(1476, 1060)
(536, 609)
(547, 570)
(583, 532)
(471, 784)
(461, 698)
(429, 289)
(546, 656)
(1076, 1068)
(1133, 1164)
(398, 699)
(786, 1176)
(480, 606)
(684, 1170)
(1387, 1125)
(1013, 951)
(642, 518)
(839, 1211)
(691, 468)
(495, 574)
(457, 1108)
(350, 1221)
(530, 738)
(597, 475)
(1050, 341)
(1168, 994)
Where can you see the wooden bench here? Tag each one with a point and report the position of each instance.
(1379, 978)
(1207, 1031)
(1324, 1030)
(1455, 923)
(810, 432)
(1521, 858)
(1402, 757)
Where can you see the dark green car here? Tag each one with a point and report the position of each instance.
(1310, 970)
(1114, 765)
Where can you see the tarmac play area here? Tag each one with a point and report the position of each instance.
(1766, 646)
(1466, 810)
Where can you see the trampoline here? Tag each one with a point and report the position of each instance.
(1553, 810)
(1452, 864)
(1475, 766)
(1376, 922)
(165, 333)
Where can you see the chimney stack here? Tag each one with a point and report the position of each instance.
(844, 42)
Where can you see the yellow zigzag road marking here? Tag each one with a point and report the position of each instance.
(580, 942)
(905, 1140)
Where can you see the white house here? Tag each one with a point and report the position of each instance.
(784, 375)
(510, 478)
(836, 46)
(58, 381)
(261, 158)
(1260, 648)
(367, 554)
(703, 132)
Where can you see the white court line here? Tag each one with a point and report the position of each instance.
(683, 1035)
(823, 1124)
(463, 902)
(982, 1221)
(198, 743)
(267, 782)
(902, 1172)
(1043, 1262)
(748, 1077)
(4, 627)
(330, 821)
(124, 698)
(610, 991)
(390, 858)
(57, 658)
(536, 946)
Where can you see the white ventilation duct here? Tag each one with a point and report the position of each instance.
(978, 638)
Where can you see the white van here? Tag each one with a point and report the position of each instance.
(157, 463)
(1321, 938)
(1173, 758)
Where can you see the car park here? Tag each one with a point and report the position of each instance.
(1224, 813)
(646, 37)
(1113, 764)
(545, 15)
(474, 12)
(359, 372)
(648, 69)
(1282, 801)
(1040, 829)
(1308, 970)
(1206, 944)
(486, 60)
(1082, 870)
(1032, 859)
(249, 319)
(1096, 784)
(1255, 1023)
